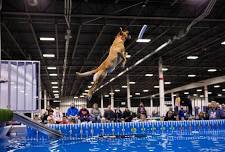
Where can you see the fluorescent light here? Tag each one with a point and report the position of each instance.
(55, 87)
(82, 96)
(117, 90)
(156, 87)
(131, 96)
(209, 92)
(148, 75)
(86, 90)
(56, 101)
(199, 90)
(124, 86)
(219, 95)
(89, 87)
(49, 55)
(55, 91)
(164, 69)
(201, 96)
(195, 95)
(56, 94)
(84, 93)
(137, 94)
(186, 92)
(111, 93)
(51, 68)
(75, 97)
(47, 38)
(191, 75)
(131, 82)
(53, 74)
(143, 40)
(92, 82)
(54, 82)
(212, 70)
(167, 82)
(145, 90)
(216, 86)
(106, 95)
(128, 56)
(223, 90)
(192, 57)
(223, 43)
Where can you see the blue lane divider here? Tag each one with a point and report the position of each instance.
(88, 130)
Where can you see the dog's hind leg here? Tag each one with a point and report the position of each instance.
(98, 78)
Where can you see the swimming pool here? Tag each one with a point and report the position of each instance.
(183, 136)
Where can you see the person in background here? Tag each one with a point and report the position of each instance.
(95, 114)
(141, 110)
(127, 115)
(143, 117)
(177, 103)
(58, 115)
(44, 117)
(64, 120)
(83, 114)
(169, 116)
(181, 114)
(189, 105)
(51, 118)
(36, 118)
(200, 116)
(213, 112)
(109, 115)
(49, 109)
(118, 114)
(72, 113)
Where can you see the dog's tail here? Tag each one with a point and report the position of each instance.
(85, 74)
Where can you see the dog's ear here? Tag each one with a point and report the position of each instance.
(121, 29)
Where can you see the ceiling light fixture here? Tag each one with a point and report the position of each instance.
(54, 82)
(75, 97)
(137, 94)
(53, 74)
(148, 75)
(167, 82)
(124, 86)
(219, 95)
(51, 68)
(192, 57)
(55, 91)
(156, 87)
(223, 43)
(143, 40)
(128, 56)
(191, 75)
(47, 38)
(216, 86)
(212, 70)
(106, 95)
(49, 55)
(145, 90)
(131, 82)
(199, 90)
(117, 90)
(186, 92)
(55, 87)
(164, 69)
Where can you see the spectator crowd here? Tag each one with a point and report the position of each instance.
(179, 113)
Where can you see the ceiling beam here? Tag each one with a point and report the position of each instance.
(118, 17)
(14, 40)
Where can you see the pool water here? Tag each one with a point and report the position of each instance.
(193, 142)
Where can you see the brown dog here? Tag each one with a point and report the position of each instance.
(117, 55)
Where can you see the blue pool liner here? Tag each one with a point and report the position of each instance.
(88, 130)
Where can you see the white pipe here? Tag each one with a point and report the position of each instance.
(128, 92)
(161, 89)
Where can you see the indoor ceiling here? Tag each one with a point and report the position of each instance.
(94, 25)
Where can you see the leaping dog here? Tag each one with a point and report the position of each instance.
(117, 55)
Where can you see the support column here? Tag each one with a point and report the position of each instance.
(206, 95)
(161, 88)
(0, 30)
(172, 100)
(128, 92)
(102, 108)
(112, 98)
(151, 105)
(45, 99)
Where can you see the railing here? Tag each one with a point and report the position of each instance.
(88, 130)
